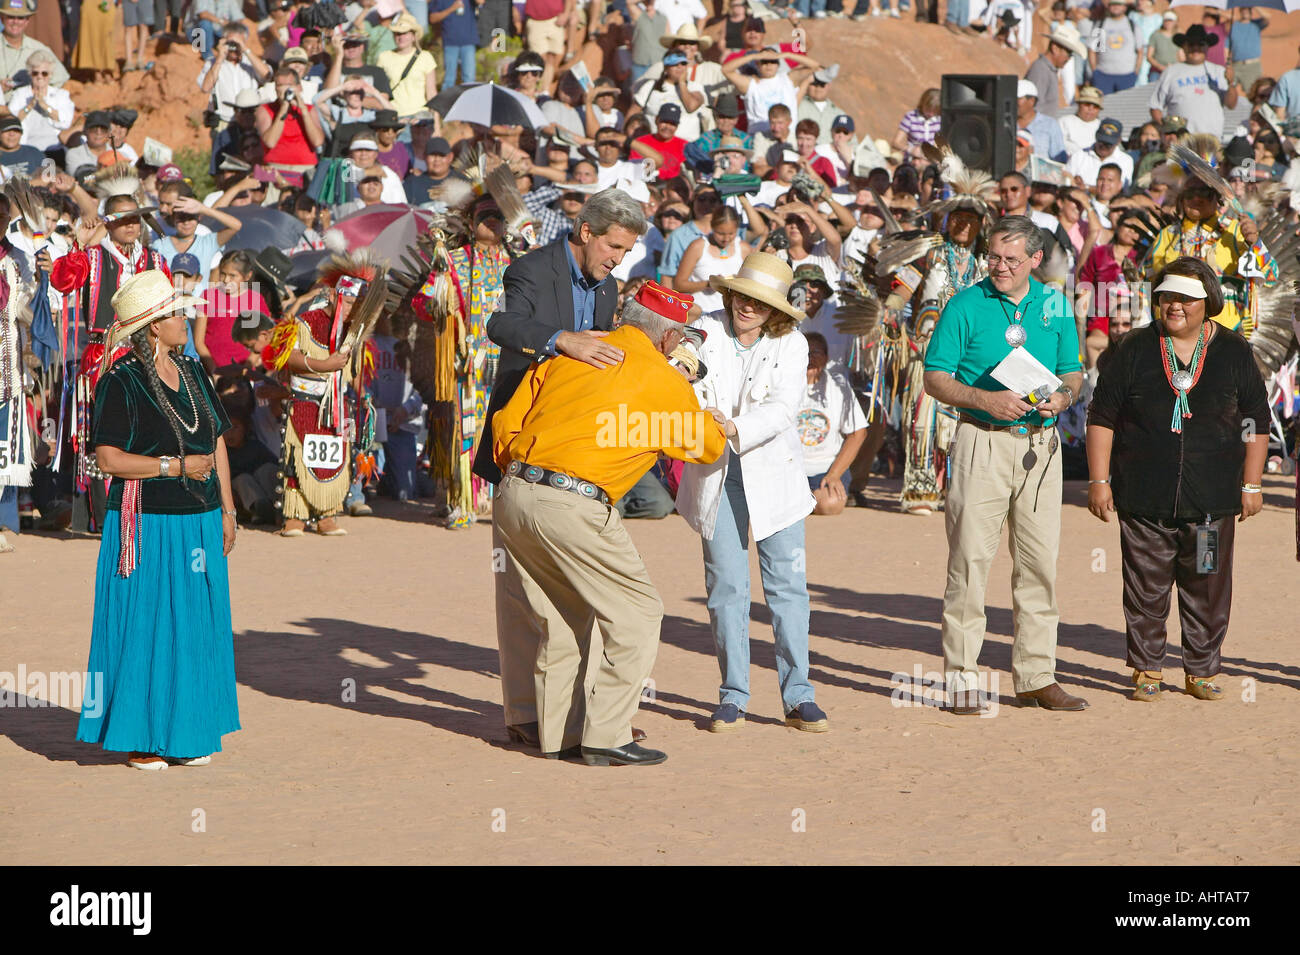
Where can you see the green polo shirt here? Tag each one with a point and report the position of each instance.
(969, 339)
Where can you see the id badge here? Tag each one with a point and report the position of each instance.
(1207, 549)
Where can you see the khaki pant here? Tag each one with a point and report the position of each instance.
(990, 487)
(1247, 72)
(576, 565)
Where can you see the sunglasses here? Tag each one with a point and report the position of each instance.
(40, 72)
(609, 142)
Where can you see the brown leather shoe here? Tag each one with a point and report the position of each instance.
(969, 703)
(1052, 697)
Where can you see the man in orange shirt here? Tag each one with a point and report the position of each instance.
(572, 440)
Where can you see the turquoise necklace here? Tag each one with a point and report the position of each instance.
(1182, 380)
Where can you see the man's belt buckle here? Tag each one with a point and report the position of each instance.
(1022, 429)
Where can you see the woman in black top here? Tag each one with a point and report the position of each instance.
(161, 641)
(1177, 438)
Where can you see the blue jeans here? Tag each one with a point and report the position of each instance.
(959, 12)
(464, 55)
(815, 481)
(638, 72)
(803, 6)
(785, 587)
(1113, 82)
(402, 463)
(209, 31)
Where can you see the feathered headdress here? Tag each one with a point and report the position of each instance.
(26, 205)
(119, 179)
(521, 230)
(972, 189)
(1200, 157)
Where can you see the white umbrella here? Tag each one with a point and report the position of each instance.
(1287, 6)
(490, 105)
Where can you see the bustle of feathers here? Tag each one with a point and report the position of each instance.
(1054, 268)
(519, 221)
(23, 199)
(891, 224)
(901, 248)
(284, 338)
(859, 310)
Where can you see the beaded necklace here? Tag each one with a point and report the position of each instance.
(1182, 380)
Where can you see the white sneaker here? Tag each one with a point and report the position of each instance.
(894, 13)
(192, 761)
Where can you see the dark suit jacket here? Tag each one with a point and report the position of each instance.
(538, 302)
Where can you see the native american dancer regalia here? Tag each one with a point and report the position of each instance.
(924, 270)
(454, 280)
(328, 418)
(15, 432)
(93, 274)
(1243, 268)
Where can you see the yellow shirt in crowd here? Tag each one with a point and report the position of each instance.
(606, 425)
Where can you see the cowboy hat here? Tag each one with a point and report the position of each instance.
(1067, 35)
(686, 33)
(1196, 34)
(140, 301)
(764, 278)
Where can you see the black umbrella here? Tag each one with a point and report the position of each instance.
(302, 269)
(262, 227)
(445, 98)
(490, 105)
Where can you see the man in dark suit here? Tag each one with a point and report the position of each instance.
(558, 300)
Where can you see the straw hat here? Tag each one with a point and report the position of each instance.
(764, 278)
(140, 301)
(730, 144)
(686, 33)
(1067, 35)
(404, 23)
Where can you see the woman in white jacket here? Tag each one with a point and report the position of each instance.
(757, 372)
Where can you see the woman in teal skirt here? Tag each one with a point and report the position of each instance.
(161, 636)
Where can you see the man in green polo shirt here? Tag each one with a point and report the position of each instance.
(1005, 465)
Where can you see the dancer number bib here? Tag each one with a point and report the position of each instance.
(322, 450)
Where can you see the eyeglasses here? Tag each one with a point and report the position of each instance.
(1011, 263)
(741, 300)
(40, 72)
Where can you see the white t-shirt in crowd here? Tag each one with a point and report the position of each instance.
(828, 413)
(763, 94)
(622, 169)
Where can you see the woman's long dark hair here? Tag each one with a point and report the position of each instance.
(143, 351)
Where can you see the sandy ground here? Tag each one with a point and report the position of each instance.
(417, 769)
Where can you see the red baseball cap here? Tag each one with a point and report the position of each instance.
(665, 301)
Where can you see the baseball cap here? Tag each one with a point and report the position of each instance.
(98, 117)
(674, 57)
(789, 155)
(727, 104)
(1170, 15)
(438, 146)
(843, 121)
(169, 173)
(1173, 124)
(185, 264)
(826, 74)
(754, 25)
(669, 113)
(1109, 131)
(1024, 136)
(10, 122)
(1088, 94)
(295, 54)
(363, 142)
(1026, 88)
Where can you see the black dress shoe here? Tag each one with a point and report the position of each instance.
(629, 755)
(570, 753)
(526, 733)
